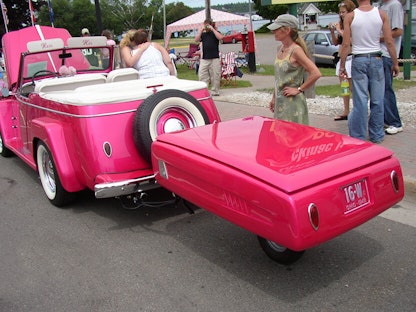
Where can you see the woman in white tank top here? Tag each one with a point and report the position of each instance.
(153, 60)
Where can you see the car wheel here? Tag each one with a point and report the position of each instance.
(49, 177)
(4, 151)
(163, 112)
(279, 253)
(413, 54)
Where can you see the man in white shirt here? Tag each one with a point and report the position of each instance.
(362, 29)
(392, 120)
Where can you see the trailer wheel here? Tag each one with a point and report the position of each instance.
(279, 253)
(4, 151)
(49, 178)
(163, 112)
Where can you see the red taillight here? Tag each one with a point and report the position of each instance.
(313, 216)
(395, 181)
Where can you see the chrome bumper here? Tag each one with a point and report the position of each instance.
(107, 190)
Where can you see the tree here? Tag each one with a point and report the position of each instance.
(18, 13)
(122, 15)
(72, 15)
(328, 7)
(175, 12)
(270, 11)
(84, 17)
(117, 15)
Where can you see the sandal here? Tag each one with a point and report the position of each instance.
(342, 117)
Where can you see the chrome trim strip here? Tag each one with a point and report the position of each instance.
(19, 98)
(73, 115)
(126, 187)
(204, 98)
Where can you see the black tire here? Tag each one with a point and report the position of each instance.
(49, 178)
(4, 151)
(163, 112)
(413, 54)
(279, 253)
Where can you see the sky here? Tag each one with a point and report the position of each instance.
(201, 3)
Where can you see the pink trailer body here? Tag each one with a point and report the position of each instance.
(266, 175)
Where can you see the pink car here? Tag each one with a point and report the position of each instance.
(293, 186)
(87, 127)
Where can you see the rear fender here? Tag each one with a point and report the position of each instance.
(52, 134)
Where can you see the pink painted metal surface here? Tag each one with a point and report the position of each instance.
(15, 43)
(263, 174)
(86, 121)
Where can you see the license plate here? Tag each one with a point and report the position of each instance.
(356, 195)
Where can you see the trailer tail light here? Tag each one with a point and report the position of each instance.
(313, 216)
(395, 181)
(162, 169)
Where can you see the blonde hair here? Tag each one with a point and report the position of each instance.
(128, 38)
(294, 34)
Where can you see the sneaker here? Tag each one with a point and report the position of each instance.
(376, 141)
(215, 94)
(393, 130)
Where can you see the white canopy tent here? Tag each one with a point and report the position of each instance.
(194, 21)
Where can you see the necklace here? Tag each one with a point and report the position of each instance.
(283, 49)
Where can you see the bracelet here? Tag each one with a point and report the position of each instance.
(300, 89)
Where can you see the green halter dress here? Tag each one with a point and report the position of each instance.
(290, 108)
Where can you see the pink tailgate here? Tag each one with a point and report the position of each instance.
(267, 176)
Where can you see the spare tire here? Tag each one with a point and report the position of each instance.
(163, 112)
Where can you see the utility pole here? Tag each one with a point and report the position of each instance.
(98, 16)
(207, 9)
(164, 21)
(249, 12)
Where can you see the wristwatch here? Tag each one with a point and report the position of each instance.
(300, 89)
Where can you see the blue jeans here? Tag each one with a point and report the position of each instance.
(391, 113)
(367, 80)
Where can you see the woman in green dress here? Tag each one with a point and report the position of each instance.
(292, 60)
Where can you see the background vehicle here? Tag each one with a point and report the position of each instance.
(325, 50)
(230, 37)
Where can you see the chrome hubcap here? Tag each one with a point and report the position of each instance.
(172, 125)
(48, 172)
(276, 247)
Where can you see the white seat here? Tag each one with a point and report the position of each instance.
(69, 83)
(122, 74)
